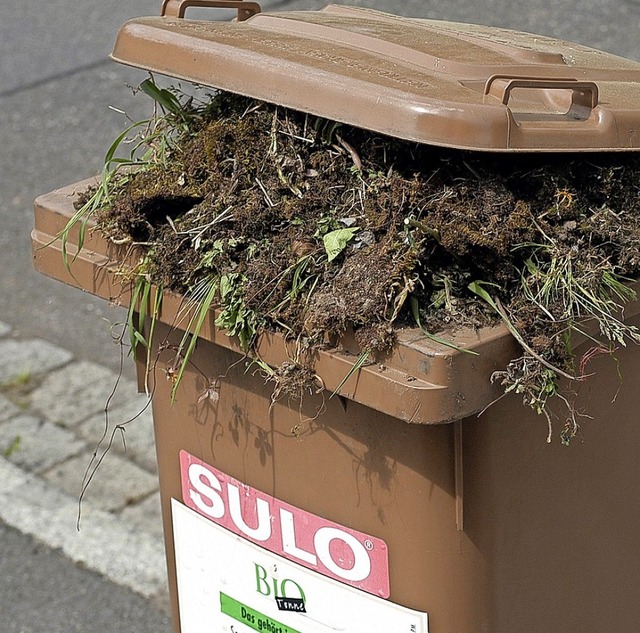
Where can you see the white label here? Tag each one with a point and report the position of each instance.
(228, 584)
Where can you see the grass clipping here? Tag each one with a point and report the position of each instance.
(293, 223)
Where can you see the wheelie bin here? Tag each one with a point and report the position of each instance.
(393, 506)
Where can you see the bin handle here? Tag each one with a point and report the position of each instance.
(177, 8)
(584, 94)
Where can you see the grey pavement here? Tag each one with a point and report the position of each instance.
(59, 358)
(57, 472)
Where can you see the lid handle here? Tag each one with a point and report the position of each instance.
(584, 94)
(553, 114)
(177, 8)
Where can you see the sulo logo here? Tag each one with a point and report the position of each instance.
(354, 558)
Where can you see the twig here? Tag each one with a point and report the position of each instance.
(416, 224)
(505, 317)
(355, 157)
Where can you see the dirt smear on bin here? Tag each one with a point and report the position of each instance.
(317, 229)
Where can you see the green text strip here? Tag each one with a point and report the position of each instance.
(252, 618)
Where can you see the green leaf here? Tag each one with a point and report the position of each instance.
(197, 320)
(362, 359)
(336, 241)
(415, 311)
(110, 155)
(163, 97)
(477, 287)
(13, 447)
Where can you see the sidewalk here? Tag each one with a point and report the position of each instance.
(52, 419)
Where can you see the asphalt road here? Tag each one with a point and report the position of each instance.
(56, 89)
(41, 591)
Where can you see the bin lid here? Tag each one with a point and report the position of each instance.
(442, 83)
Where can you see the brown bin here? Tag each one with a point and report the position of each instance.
(392, 507)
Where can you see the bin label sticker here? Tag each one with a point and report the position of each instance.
(228, 584)
(336, 551)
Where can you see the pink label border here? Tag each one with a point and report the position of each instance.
(339, 552)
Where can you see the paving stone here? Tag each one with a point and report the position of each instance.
(4, 329)
(36, 444)
(7, 408)
(29, 357)
(78, 391)
(116, 483)
(139, 441)
(145, 515)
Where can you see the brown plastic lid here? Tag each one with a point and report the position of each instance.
(448, 84)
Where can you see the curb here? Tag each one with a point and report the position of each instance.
(106, 543)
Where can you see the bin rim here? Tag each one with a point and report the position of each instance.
(421, 381)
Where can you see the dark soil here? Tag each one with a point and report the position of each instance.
(247, 191)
